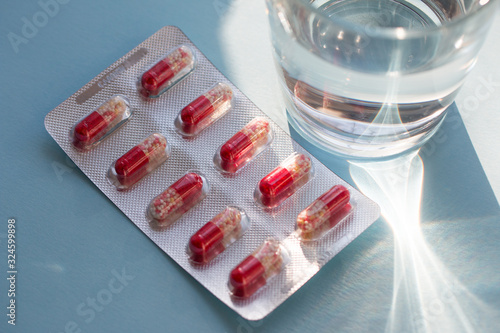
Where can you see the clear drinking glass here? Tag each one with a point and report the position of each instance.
(372, 78)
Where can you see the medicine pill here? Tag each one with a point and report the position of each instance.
(242, 147)
(255, 271)
(177, 199)
(283, 181)
(215, 236)
(167, 72)
(324, 213)
(139, 161)
(92, 129)
(204, 110)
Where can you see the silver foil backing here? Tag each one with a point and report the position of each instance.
(157, 115)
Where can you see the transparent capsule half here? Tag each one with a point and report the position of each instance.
(100, 123)
(215, 236)
(295, 171)
(167, 72)
(177, 199)
(258, 268)
(245, 145)
(139, 161)
(204, 110)
(324, 213)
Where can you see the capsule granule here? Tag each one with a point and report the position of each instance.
(254, 272)
(167, 72)
(93, 128)
(177, 199)
(284, 180)
(204, 110)
(242, 147)
(215, 236)
(324, 213)
(139, 161)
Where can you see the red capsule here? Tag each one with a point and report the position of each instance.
(324, 213)
(204, 110)
(254, 272)
(167, 72)
(91, 129)
(139, 161)
(176, 200)
(283, 181)
(215, 236)
(244, 145)
(206, 244)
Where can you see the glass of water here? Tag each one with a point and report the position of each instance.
(373, 78)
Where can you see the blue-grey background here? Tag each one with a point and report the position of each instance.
(72, 242)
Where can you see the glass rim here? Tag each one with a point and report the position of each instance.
(400, 33)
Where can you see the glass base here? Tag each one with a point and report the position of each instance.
(349, 148)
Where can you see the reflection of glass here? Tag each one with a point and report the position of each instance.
(374, 77)
(427, 297)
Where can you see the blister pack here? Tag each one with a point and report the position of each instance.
(218, 186)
